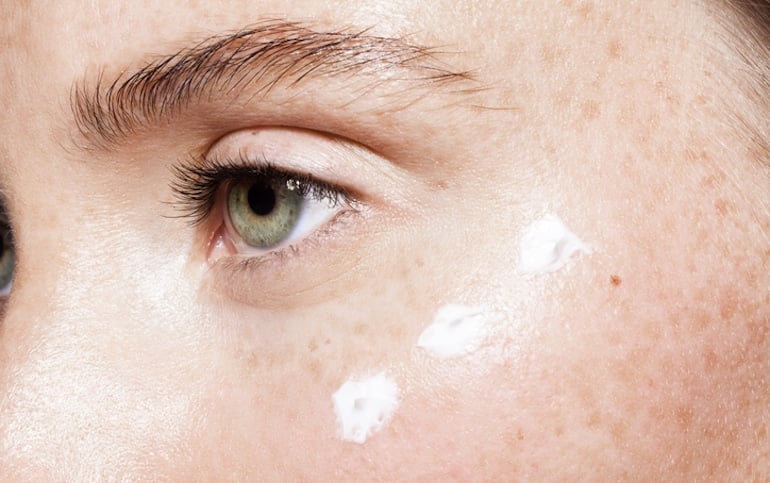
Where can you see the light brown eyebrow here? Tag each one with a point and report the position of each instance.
(261, 58)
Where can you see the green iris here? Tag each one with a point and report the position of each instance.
(7, 258)
(264, 211)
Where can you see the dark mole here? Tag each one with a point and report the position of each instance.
(615, 280)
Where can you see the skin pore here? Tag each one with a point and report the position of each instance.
(138, 342)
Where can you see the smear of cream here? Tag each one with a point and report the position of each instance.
(548, 245)
(456, 330)
(363, 406)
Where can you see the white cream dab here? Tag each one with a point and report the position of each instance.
(363, 406)
(456, 330)
(548, 245)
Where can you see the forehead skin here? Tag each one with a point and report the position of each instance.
(121, 358)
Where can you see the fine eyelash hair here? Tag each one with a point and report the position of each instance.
(262, 56)
(196, 185)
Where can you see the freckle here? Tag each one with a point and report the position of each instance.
(713, 180)
(585, 9)
(711, 360)
(590, 110)
(312, 345)
(702, 318)
(614, 48)
(728, 305)
(615, 280)
(723, 207)
(684, 416)
(594, 420)
(360, 329)
(618, 432)
(551, 55)
(327, 341)
(442, 185)
(397, 332)
(314, 368)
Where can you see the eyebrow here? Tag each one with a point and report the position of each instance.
(258, 59)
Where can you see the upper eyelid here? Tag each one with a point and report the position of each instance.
(260, 57)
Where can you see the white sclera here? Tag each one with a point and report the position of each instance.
(548, 245)
(456, 331)
(363, 406)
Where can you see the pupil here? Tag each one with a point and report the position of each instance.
(262, 199)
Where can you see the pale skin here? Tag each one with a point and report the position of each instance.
(133, 347)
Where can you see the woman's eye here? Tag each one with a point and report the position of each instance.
(267, 211)
(7, 260)
(256, 207)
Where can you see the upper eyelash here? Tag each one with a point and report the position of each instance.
(196, 184)
(6, 228)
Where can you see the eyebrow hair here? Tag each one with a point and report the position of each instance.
(260, 57)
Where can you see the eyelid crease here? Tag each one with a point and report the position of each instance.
(261, 56)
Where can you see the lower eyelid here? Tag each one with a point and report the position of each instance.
(305, 268)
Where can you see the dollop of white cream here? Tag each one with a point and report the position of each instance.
(548, 245)
(363, 406)
(456, 330)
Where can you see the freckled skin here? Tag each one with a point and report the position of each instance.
(121, 358)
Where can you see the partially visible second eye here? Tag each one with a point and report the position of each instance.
(7, 259)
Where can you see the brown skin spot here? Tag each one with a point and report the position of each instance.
(618, 432)
(396, 332)
(615, 280)
(711, 360)
(724, 207)
(312, 345)
(585, 9)
(614, 49)
(595, 419)
(701, 318)
(552, 55)
(684, 417)
(713, 181)
(590, 110)
(314, 367)
(728, 305)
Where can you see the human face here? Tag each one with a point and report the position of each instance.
(145, 335)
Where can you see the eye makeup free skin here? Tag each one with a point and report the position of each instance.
(548, 245)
